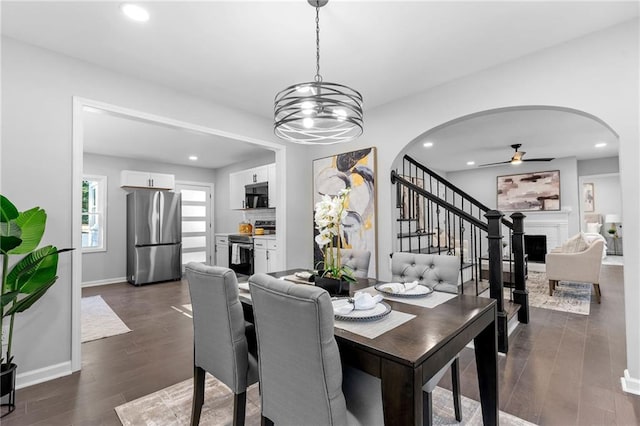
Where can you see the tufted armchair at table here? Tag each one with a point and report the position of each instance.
(438, 272)
(356, 260)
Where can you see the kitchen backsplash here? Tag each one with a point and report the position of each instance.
(266, 214)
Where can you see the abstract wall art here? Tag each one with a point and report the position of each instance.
(529, 191)
(355, 170)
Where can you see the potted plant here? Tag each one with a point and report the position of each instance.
(329, 214)
(24, 282)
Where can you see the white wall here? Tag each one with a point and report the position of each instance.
(598, 166)
(481, 184)
(111, 265)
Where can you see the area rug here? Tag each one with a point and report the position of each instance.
(172, 406)
(98, 320)
(568, 296)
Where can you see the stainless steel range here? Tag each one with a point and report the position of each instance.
(241, 248)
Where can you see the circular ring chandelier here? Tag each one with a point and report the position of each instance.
(318, 112)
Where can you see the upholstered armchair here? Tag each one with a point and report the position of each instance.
(581, 266)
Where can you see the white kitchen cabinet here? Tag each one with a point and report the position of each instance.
(271, 178)
(238, 181)
(222, 251)
(260, 174)
(137, 179)
(265, 255)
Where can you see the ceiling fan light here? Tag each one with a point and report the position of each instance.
(516, 161)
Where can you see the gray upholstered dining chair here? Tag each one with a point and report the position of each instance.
(220, 344)
(356, 260)
(301, 380)
(440, 273)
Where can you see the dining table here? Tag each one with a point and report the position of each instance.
(410, 354)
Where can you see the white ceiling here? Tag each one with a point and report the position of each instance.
(487, 138)
(116, 135)
(242, 53)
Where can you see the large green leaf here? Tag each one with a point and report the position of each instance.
(26, 302)
(7, 298)
(7, 210)
(33, 271)
(31, 223)
(10, 236)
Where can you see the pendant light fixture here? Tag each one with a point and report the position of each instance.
(318, 112)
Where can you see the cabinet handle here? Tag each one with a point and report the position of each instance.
(267, 254)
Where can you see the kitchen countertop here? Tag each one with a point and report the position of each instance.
(266, 236)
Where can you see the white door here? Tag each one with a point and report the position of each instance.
(196, 222)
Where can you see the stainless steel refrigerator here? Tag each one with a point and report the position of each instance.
(154, 234)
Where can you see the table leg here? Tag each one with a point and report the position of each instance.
(486, 348)
(401, 394)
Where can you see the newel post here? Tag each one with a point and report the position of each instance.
(520, 293)
(496, 285)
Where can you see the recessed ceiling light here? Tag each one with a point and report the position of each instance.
(470, 163)
(135, 12)
(193, 158)
(601, 145)
(427, 144)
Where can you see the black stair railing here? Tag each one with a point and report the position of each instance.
(435, 216)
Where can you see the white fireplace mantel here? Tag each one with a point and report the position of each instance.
(554, 225)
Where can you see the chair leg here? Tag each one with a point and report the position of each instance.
(596, 289)
(551, 287)
(265, 422)
(198, 395)
(455, 385)
(239, 405)
(427, 408)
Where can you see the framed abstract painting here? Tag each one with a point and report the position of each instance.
(355, 170)
(529, 191)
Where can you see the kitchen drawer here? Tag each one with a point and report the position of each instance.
(271, 245)
(222, 240)
(260, 243)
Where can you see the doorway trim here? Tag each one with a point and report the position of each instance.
(78, 104)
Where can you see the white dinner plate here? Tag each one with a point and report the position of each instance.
(381, 309)
(418, 291)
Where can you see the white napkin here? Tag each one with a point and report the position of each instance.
(399, 287)
(361, 301)
(364, 301)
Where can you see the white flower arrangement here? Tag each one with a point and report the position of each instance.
(329, 214)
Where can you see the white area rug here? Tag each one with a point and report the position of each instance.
(568, 296)
(172, 406)
(99, 320)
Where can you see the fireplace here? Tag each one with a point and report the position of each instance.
(536, 247)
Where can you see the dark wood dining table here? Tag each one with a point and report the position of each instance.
(407, 356)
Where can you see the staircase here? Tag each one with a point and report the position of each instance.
(436, 217)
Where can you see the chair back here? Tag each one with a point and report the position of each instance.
(218, 324)
(438, 272)
(356, 260)
(299, 361)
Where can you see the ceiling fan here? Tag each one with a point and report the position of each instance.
(517, 157)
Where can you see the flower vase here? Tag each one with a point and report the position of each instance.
(335, 286)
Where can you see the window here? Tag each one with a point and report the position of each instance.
(94, 213)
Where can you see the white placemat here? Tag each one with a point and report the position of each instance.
(430, 301)
(373, 329)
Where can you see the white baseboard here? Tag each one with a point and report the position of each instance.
(104, 282)
(43, 374)
(629, 384)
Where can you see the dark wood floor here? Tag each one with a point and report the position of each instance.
(562, 369)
